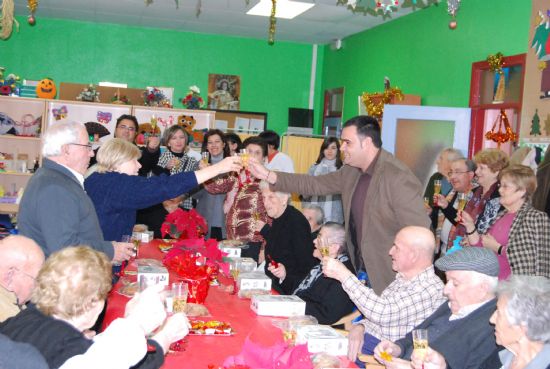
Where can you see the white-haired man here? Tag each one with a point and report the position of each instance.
(460, 329)
(20, 261)
(414, 295)
(55, 211)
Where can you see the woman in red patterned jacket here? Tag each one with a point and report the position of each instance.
(247, 210)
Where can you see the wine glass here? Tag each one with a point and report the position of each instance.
(323, 245)
(437, 189)
(243, 153)
(205, 156)
(462, 200)
(420, 342)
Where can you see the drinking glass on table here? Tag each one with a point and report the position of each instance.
(136, 240)
(179, 297)
(420, 342)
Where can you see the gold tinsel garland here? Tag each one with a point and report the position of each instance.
(496, 62)
(7, 19)
(272, 23)
(376, 109)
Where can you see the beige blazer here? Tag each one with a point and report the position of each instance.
(394, 200)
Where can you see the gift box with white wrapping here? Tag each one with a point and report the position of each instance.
(278, 305)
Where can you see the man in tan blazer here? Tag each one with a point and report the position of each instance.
(380, 196)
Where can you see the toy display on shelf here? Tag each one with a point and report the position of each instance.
(89, 94)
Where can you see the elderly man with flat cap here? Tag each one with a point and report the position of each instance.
(458, 329)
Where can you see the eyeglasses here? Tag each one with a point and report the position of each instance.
(127, 128)
(451, 173)
(88, 145)
(25, 274)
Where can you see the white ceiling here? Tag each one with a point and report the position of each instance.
(321, 24)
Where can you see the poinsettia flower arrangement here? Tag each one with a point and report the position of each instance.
(193, 99)
(182, 224)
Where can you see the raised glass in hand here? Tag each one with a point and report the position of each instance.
(420, 342)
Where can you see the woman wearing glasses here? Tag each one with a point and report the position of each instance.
(126, 129)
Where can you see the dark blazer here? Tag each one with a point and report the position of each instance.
(288, 241)
(467, 345)
(326, 300)
(56, 212)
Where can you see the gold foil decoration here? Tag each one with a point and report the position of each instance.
(496, 62)
(374, 102)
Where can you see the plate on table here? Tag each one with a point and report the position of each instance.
(128, 289)
(233, 243)
(165, 247)
(210, 328)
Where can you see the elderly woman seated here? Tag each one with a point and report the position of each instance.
(522, 327)
(325, 298)
(315, 217)
(70, 292)
(288, 257)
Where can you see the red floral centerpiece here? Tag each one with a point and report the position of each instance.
(182, 224)
(194, 260)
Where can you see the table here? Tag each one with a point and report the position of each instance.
(203, 350)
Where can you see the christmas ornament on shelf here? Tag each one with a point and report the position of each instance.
(504, 131)
(89, 94)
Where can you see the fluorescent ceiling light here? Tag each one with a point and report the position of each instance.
(285, 9)
(113, 84)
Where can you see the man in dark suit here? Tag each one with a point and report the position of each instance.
(55, 211)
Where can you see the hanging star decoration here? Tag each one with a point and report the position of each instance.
(496, 61)
(504, 132)
(374, 102)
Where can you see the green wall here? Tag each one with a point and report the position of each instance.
(422, 56)
(273, 78)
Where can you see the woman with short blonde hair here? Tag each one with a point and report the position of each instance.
(115, 152)
(118, 192)
(71, 282)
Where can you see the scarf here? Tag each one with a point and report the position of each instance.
(315, 273)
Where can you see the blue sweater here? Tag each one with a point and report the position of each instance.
(118, 196)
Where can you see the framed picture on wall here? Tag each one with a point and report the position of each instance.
(224, 91)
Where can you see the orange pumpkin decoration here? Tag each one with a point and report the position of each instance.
(46, 89)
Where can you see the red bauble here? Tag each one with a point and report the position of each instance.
(32, 20)
(452, 24)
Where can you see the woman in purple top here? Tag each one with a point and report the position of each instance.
(520, 234)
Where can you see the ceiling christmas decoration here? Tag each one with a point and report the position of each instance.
(7, 19)
(272, 23)
(32, 5)
(504, 131)
(383, 7)
(452, 9)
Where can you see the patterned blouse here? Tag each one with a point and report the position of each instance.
(248, 206)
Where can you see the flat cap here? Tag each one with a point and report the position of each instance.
(476, 259)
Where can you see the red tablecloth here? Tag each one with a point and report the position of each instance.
(203, 350)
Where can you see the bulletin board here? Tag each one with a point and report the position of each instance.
(240, 121)
(204, 120)
(104, 115)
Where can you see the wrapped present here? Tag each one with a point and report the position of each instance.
(197, 288)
